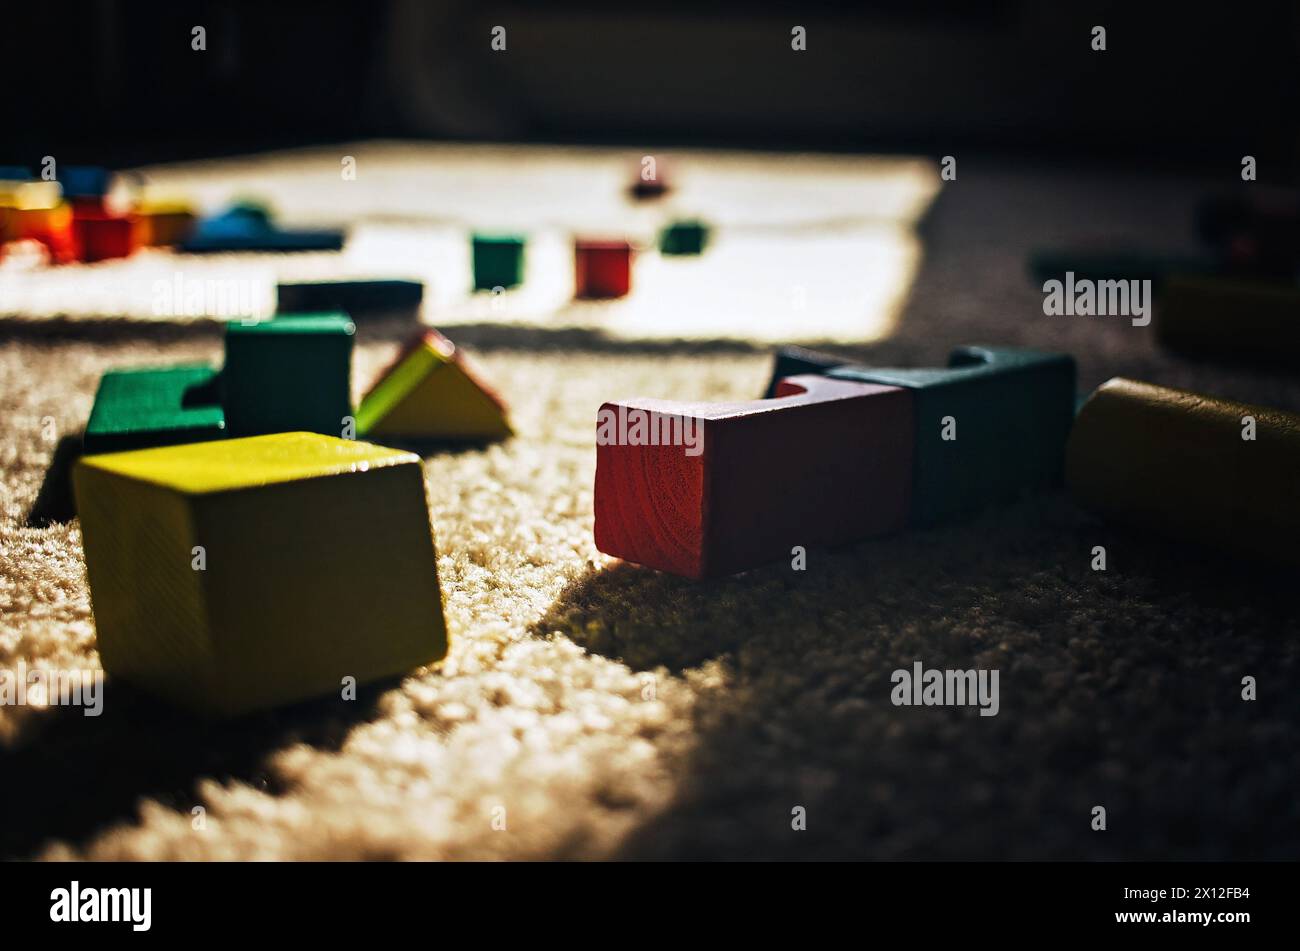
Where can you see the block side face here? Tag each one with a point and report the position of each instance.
(1175, 463)
(816, 474)
(1010, 434)
(199, 468)
(649, 500)
(345, 585)
(395, 385)
(1238, 320)
(287, 378)
(498, 261)
(352, 297)
(149, 605)
(445, 404)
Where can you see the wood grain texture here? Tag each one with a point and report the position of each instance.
(825, 463)
(319, 564)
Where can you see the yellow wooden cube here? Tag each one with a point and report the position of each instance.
(242, 574)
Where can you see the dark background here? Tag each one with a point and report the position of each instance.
(1178, 86)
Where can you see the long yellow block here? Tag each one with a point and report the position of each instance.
(1176, 463)
(242, 574)
(1230, 320)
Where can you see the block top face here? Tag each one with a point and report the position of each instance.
(792, 392)
(601, 244)
(500, 240)
(965, 365)
(293, 324)
(233, 464)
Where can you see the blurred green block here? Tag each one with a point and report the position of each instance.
(498, 261)
(155, 406)
(288, 374)
(684, 237)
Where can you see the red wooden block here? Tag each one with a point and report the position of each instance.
(98, 235)
(736, 485)
(602, 269)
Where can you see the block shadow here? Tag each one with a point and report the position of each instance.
(72, 775)
(54, 501)
(1108, 696)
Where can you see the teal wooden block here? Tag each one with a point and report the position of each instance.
(498, 261)
(155, 406)
(796, 361)
(989, 426)
(289, 374)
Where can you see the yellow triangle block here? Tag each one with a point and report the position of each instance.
(430, 392)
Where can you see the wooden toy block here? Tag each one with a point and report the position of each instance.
(164, 224)
(1258, 233)
(1231, 320)
(289, 373)
(1118, 265)
(98, 235)
(155, 406)
(357, 299)
(602, 269)
(243, 574)
(11, 177)
(649, 180)
(989, 426)
(707, 489)
(84, 181)
(793, 361)
(498, 261)
(248, 227)
(684, 237)
(39, 213)
(430, 392)
(1176, 463)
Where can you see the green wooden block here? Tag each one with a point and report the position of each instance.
(288, 374)
(989, 426)
(684, 237)
(498, 261)
(155, 406)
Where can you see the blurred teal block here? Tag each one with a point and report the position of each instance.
(498, 261)
(1010, 412)
(684, 237)
(1117, 265)
(154, 406)
(288, 374)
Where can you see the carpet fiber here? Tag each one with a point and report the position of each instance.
(591, 709)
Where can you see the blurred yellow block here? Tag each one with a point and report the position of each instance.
(243, 574)
(431, 392)
(162, 223)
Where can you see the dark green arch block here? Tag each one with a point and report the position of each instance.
(1012, 408)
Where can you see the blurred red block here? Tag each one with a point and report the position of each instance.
(98, 235)
(602, 269)
(52, 227)
(708, 489)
